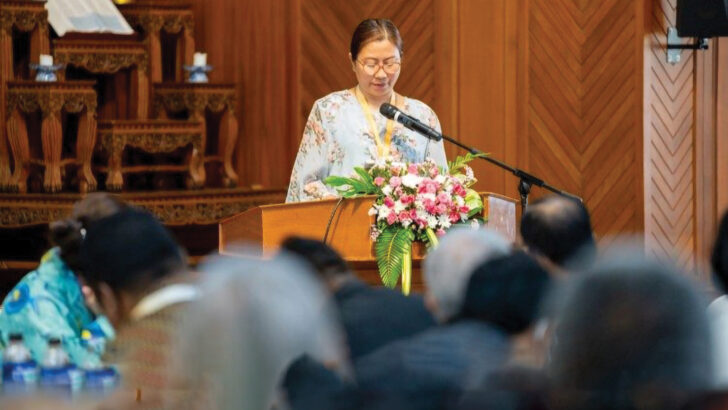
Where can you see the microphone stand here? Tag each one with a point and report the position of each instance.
(526, 180)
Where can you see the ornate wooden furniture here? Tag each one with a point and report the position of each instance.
(195, 99)
(153, 136)
(108, 57)
(26, 16)
(269, 225)
(51, 99)
(152, 17)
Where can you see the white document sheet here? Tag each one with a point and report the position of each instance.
(86, 16)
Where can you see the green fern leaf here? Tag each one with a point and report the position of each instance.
(392, 244)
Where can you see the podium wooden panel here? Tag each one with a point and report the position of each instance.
(269, 225)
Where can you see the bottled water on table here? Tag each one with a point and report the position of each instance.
(20, 372)
(99, 378)
(56, 370)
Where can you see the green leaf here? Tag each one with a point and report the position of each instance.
(474, 202)
(392, 245)
(459, 162)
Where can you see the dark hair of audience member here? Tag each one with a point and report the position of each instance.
(631, 334)
(506, 292)
(374, 30)
(129, 250)
(325, 261)
(67, 234)
(560, 229)
(719, 259)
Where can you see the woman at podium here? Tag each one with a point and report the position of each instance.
(346, 130)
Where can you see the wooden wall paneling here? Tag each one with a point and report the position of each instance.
(669, 148)
(721, 126)
(705, 159)
(583, 104)
(255, 44)
(482, 94)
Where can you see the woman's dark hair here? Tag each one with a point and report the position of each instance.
(374, 30)
(67, 234)
(719, 260)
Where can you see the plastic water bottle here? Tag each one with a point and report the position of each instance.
(20, 372)
(99, 378)
(57, 372)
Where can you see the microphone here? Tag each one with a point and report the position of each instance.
(394, 113)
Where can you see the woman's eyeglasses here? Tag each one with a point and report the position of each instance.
(372, 66)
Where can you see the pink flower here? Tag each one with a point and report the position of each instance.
(378, 181)
(441, 209)
(404, 216)
(464, 209)
(428, 186)
(391, 218)
(407, 199)
(434, 172)
(412, 169)
(454, 217)
(395, 182)
(459, 190)
(398, 191)
(389, 202)
(440, 232)
(444, 198)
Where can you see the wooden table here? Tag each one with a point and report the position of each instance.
(152, 17)
(153, 136)
(195, 99)
(108, 57)
(26, 16)
(51, 99)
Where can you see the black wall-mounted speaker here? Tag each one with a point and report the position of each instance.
(702, 18)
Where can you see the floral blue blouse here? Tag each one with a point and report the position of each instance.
(48, 303)
(337, 138)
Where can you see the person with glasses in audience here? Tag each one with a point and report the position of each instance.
(346, 130)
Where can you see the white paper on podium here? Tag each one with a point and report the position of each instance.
(86, 16)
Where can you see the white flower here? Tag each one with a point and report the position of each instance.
(474, 224)
(440, 179)
(431, 221)
(387, 190)
(411, 181)
(399, 206)
(424, 196)
(459, 201)
(372, 211)
(406, 223)
(444, 221)
(383, 213)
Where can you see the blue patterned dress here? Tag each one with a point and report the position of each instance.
(48, 303)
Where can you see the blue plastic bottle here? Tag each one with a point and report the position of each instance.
(20, 371)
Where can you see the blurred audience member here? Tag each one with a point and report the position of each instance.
(48, 302)
(434, 369)
(718, 310)
(448, 267)
(507, 293)
(631, 334)
(253, 318)
(139, 275)
(366, 312)
(557, 231)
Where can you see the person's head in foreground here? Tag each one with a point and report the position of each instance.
(507, 292)
(68, 234)
(252, 320)
(328, 265)
(126, 256)
(631, 334)
(558, 231)
(448, 267)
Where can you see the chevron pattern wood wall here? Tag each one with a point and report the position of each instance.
(324, 47)
(669, 144)
(584, 106)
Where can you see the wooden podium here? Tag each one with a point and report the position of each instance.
(267, 226)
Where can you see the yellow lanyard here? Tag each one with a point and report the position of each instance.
(382, 148)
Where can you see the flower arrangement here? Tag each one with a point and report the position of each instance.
(417, 201)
